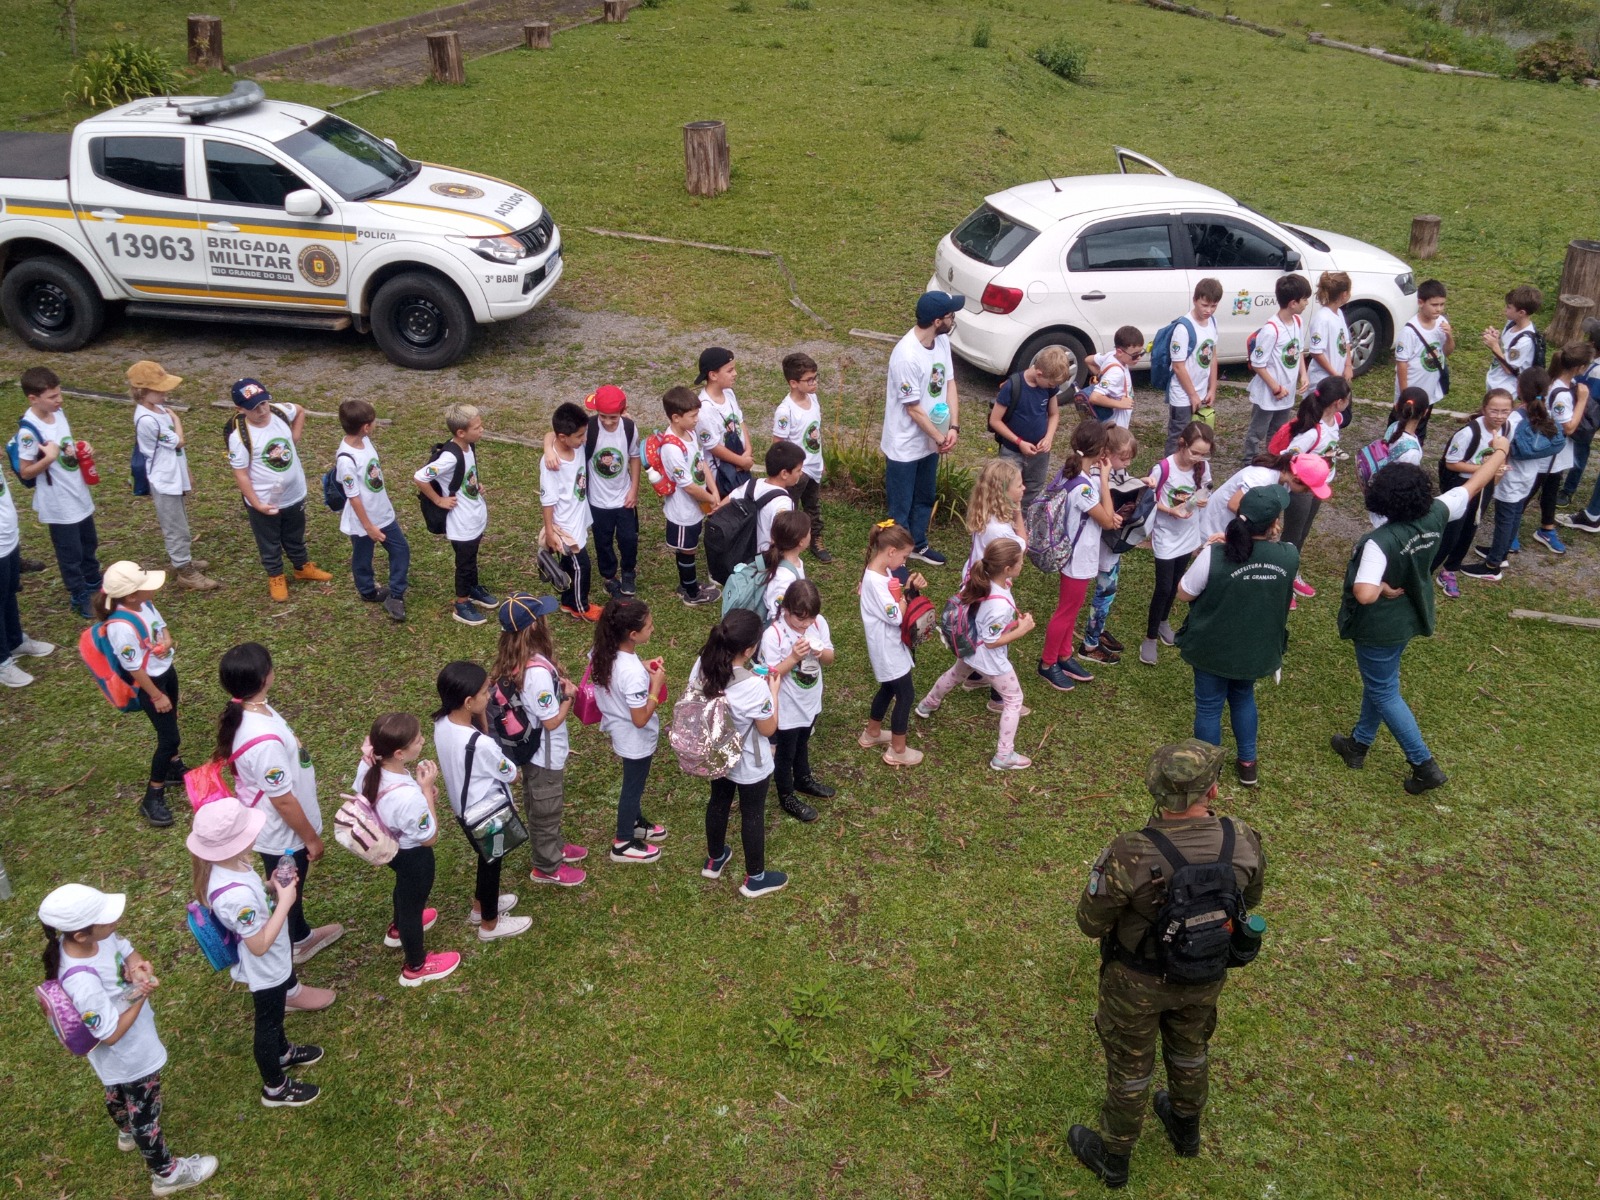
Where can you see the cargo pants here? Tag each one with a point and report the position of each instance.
(1134, 1008)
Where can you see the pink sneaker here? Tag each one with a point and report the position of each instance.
(563, 876)
(1294, 603)
(434, 966)
(1302, 588)
(572, 854)
(430, 917)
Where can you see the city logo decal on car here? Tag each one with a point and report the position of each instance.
(319, 266)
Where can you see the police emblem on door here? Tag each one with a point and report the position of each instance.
(319, 266)
(457, 191)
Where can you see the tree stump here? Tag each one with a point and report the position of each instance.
(1580, 274)
(705, 158)
(536, 35)
(205, 42)
(616, 11)
(1568, 322)
(1424, 236)
(445, 64)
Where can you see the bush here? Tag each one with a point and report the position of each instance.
(980, 36)
(1554, 60)
(123, 71)
(1064, 57)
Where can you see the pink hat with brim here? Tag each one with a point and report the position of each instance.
(1312, 470)
(224, 829)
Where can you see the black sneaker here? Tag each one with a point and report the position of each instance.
(483, 597)
(797, 808)
(1352, 751)
(629, 585)
(1482, 552)
(1563, 499)
(713, 867)
(812, 786)
(635, 850)
(1247, 772)
(1425, 776)
(1111, 643)
(1088, 1148)
(301, 1056)
(612, 587)
(1480, 571)
(764, 884)
(154, 808)
(295, 1093)
(377, 597)
(1581, 521)
(1101, 654)
(28, 565)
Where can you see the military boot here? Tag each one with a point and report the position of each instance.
(154, 807)
(1353, 752)
(1425, 776)
(1182, 1132)
(1088, 1148)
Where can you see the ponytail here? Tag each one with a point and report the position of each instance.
(1328, 392)
(243, 672)
(1532, 386)
(1240, 541)
(1413, 405)
(789, 530)
(1088, 441)
(619, 620)
(51, 958)
(390, 734)
(886, 535)
(736, 633)
(1277, 462)
(1001, 555)
(101, 605)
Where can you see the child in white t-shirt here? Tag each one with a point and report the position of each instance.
(47, 454)
(629, 692)
(451, 482)
(752, 698)
(1328, 335)
(142, 647)
(798, 419)
(1089, 510)
(724, 439)
(1277, 364)
(994, 510)
(1567, 399)
(691, 492)
(882, 612)
(1112, 393)
(1182, 484)
(1099, 645)
(1315, 431)
(1514, 347)
(791, 534)
(226, 882)
(367, 518)
(1425, 345)
(992, 617)
(1195, 366)
(109, 983)
(795, 648)
(564, 497)
(158, 448)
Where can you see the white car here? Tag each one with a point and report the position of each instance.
(1068, 261)
(241, 210)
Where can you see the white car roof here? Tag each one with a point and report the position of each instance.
(1042, 203)
(273, 120)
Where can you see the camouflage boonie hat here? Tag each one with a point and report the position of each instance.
(1181, 774)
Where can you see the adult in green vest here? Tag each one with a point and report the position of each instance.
(1238, 593)
(1388, 600)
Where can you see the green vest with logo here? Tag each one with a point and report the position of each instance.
(1410, 547)
(1239, 626)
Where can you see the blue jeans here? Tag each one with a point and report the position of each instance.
(77, 547)
(1210, 693)
(1381, 702)
(1507, 519)
(1580, 460)
(635, 774)
(912, 488)
(1105, 591)
(399, 552)
(619, 525)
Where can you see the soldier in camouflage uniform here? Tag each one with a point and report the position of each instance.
(1119, 906)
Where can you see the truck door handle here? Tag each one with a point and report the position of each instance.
(222, 227)
(1092, 296)
(106, 214)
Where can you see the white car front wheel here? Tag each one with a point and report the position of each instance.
(1369, 334)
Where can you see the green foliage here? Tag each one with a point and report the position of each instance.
(1013, 1178)
(905, 135)
(980, 36)
(817, 1001)
(1554, 60)
(1064, 57)
(741, 6)
(902, 1081)
(121, 72)
(651, 3)
(799, 5)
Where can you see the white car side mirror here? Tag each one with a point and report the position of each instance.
(389, 142)
(304, 203)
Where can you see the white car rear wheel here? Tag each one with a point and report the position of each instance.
(1077, 352)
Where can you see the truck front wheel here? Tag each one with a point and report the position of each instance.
(421, 321)
(52, 304)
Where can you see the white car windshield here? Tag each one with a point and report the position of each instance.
(349, 159)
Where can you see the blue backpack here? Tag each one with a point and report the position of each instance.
(14, 453)
(1161, 352)
(219, 945)
(332, 490)
(1528, 442)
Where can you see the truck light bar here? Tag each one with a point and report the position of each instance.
(245, 94)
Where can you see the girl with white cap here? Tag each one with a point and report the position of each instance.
(144, 651)
(226, 882)
(109, 984)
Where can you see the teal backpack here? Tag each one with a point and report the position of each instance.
(746, 588)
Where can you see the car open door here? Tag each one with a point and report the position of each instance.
(1130, 162)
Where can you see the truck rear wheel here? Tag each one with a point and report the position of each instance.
(52, 304)
(421, 321)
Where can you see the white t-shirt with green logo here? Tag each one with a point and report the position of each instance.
(566, 491)
(274, 767)
(1279, 345)
(803, 427)
(357, 471)
(1423, 351)
(10, 538)
(470, 517)
(1329, 335)
(716, 420)
(166, 465)
(135, 653)
(800, 693)
(609, 469)
(97, 995)
(60, 496)
(1196, 354)
(273, 461)
(920, 377)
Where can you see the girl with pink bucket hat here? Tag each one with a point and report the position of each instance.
(226, 881)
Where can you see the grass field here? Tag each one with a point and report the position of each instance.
(1419, 1023)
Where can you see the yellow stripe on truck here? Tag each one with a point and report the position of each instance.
(454, 212)
(164, 222)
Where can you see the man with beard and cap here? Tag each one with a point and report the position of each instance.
(921, 416)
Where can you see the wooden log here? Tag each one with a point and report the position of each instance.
(615, 11)
(1580, 274)
(445, 64)
(1533, 614)
(1399, 60)
(205, 42)
(536, 35)
(1571, 311)
(1424, 236)
(705, 157)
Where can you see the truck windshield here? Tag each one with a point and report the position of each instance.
(349, 159)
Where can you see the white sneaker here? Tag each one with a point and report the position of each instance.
(508, 901)
(505, 927)
(34, 648)
(14, 676)
(125, 1142)
(185, 1174)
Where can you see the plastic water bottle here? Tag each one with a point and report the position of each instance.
(5, 882)
(285, 873)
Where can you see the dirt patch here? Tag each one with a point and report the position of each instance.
(395, 54)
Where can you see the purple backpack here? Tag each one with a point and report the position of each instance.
(64, 1020)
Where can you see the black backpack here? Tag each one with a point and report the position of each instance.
(731, 531)
(432, 515)
(1193, 931)
(238, 424)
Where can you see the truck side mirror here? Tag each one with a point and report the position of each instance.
(303, 203)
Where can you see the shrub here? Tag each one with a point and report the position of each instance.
(1554, 60)
(741, 6)
(123, 71)
(1064, 57)
(800, 5)
(980, 36)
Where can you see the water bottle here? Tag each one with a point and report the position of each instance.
(86, 464)
(1246, 940)
(5, 882)
(285, 873)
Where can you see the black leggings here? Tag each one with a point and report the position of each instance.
(1549, 493)
(1458, 535)
(1168, 572)
(791, 755)
(413, 880)
(752, 820)
(299, 927)
(466, 566)
(270, 1045)
(168, 739)
(903, 694)
(487, 889)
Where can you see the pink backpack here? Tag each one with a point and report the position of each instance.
(584, 706)
(204, 783)
(65, 1021)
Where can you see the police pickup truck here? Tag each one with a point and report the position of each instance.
(243, 210)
